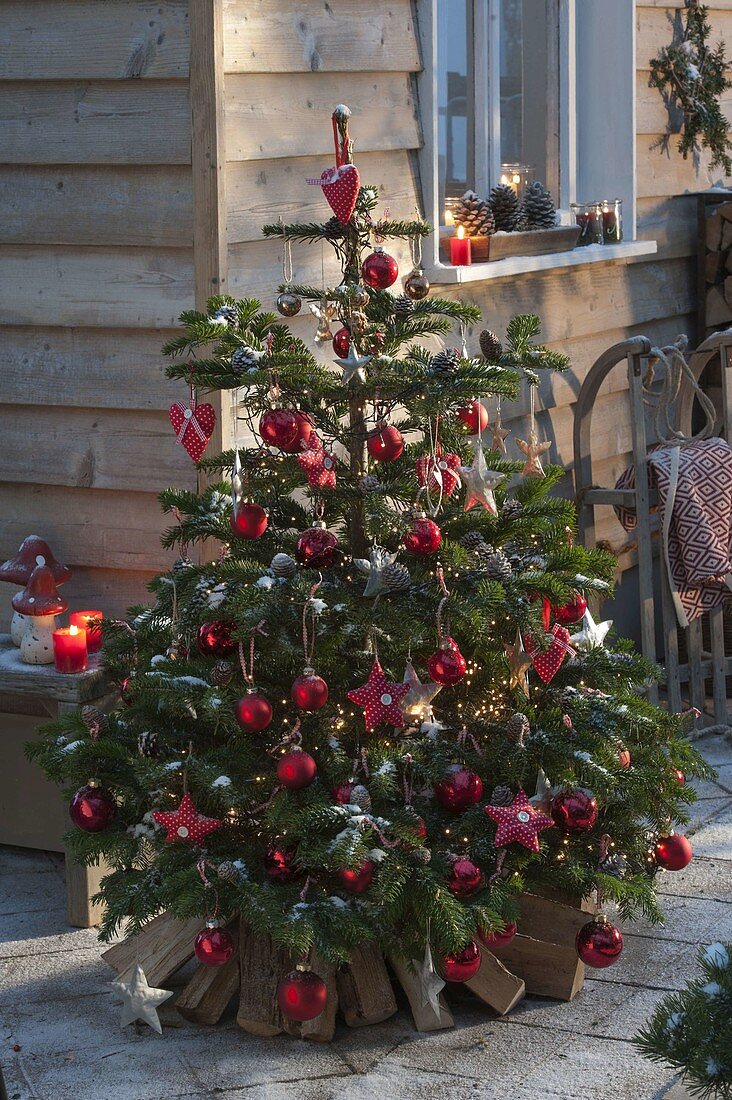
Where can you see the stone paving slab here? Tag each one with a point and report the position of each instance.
(714, 838)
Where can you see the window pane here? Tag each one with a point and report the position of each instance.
(455, 98)
(529, 91)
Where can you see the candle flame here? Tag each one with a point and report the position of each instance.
(460, 232)
(73, 630)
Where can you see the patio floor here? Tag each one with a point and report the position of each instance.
(57, 1008)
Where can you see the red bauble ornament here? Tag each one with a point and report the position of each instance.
(303, 433)
(474, 416)
(342, 793)
(459, 788)
(214, 946)
(498, 939)
(447, 666)
(301, 995)
(214, 638)
(317, 547)
(425, 536)
(623, 756)
(357, 882)
(572, 611)
(296, 769)
(248, 521)
(679, 776)
(278, 864)
(385, 443)
(253, 712)
(379, 270)
(125, 690)
(599, 943)
(278, 427)
(342, 342)
(465, 877)
(546, 610)
(309, 692)
(92, 808)
(673, 852)
(462, 965)
(574, 811)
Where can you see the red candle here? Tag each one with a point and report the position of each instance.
(91, 622)
(460, 253)
(69, 649)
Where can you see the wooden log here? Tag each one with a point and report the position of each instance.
(322, 1028)
(161, 948)
(423, 1016)
(717, 309)
(553, 918)
(261, 967)
(495, 984)
(81, 884)
(547, 969)
(714, 266)
(365, 994)
(714, 231)
(209, 991)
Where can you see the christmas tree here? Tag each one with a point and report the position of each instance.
(365, 719)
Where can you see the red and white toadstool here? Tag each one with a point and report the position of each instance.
(34, 551)
(40, 603)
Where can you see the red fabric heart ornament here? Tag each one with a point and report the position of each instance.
(439, 471)
(340, 187)
(548, 662)
(193, 425)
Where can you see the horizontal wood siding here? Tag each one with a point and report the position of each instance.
(96, 264)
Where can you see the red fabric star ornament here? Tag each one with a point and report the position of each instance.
(380, 699)
(318, 464)
(186, 823)
(519, 822)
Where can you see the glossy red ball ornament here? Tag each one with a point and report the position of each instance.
(302, 995)
(574, 811)
(623, 756)
(673, 852)
(462, 965)
(278, 427)
(425, 536)
(278, 863)
(248, 521)
(498, 939)
(309, 692)
(303, 433)
(316, 548)
(572, 611)
(125, 690)
(342, 793)
(465, 877)
(447, 666)
(379, 270)
(342, 342)
(679, 776)
(546, 610)
(296, 769)
(459, 788)
(253, 712)
(599, 943)
(474, 416)
(214, 638)
(385, 443)
(214, 946)
(92, 808)
(357, 882)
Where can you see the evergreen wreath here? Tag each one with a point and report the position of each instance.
(690, 74)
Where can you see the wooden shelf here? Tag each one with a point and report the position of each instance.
(442, 274)
(43, 680)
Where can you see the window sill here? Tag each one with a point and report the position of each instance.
(626, 251)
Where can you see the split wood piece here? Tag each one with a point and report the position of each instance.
(161, 948)
(495, 984)
(424, 1018)
(322, 1028)
(262, 966)
(553, 918)
(209, 991)
(547, 969)
(365, 993)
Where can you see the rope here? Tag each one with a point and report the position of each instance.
(676, 373)
(248, 673)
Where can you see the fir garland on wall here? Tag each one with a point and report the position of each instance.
(691, 76)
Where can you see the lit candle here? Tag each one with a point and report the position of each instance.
(91, 622)
(460, 254)
(449, 217)
(69, 649)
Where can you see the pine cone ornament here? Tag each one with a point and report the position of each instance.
(485, 551)
(245, 359)
(445, 362)
(403, 305)
(282, 565)
(420, 856)
(396, 577)
(229, 872)
(369, 483)
(147, 743)
(498, 567)
(471, 540)
(511, 508)
(181, 564)
(475, 215)
(504, 203)
(502, 796)
(537, 207)
(360, 797)
(518, 727)
(226, 315)
(615, 864)
(490, 345)
(222, 673)
(96, 722)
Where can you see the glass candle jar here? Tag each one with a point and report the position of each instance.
(612, 221)
(588, 216)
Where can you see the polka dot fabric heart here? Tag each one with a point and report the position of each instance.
(548, 663)
(340, 187)
(439, 472)
(318, 464)
(381, 700)
(193, 425)
(186, 823)
(518, 823)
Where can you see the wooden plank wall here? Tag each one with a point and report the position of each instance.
(96, 263)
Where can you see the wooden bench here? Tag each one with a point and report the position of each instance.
(31, 813)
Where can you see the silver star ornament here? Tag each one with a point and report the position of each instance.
(430, 983)
(140, 1000)
(417, 703)
(374, 566)
(353, 366)
(480, 483)
(592, 634)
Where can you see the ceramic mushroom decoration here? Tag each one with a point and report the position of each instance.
(34, 551)
(40, 603)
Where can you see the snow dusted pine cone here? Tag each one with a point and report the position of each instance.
(615, 864)
(369, 483)
(502, 796)
(94, 720)
(396, 577)
(147, 743)
(225, 315)
(229, 872)
(498, 567)
(403, 305)
(485, 551)
(537, 208)
(518, 727)
(222, 673)
(360, 797)
(474, 215)
(511, 508)
(282, 565)
(490, 345)
(445, 362)
(504, 204)
(420, 856)
(181, 564)
(245, 359)
(471, 540)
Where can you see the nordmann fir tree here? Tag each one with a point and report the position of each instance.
(330, 728)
